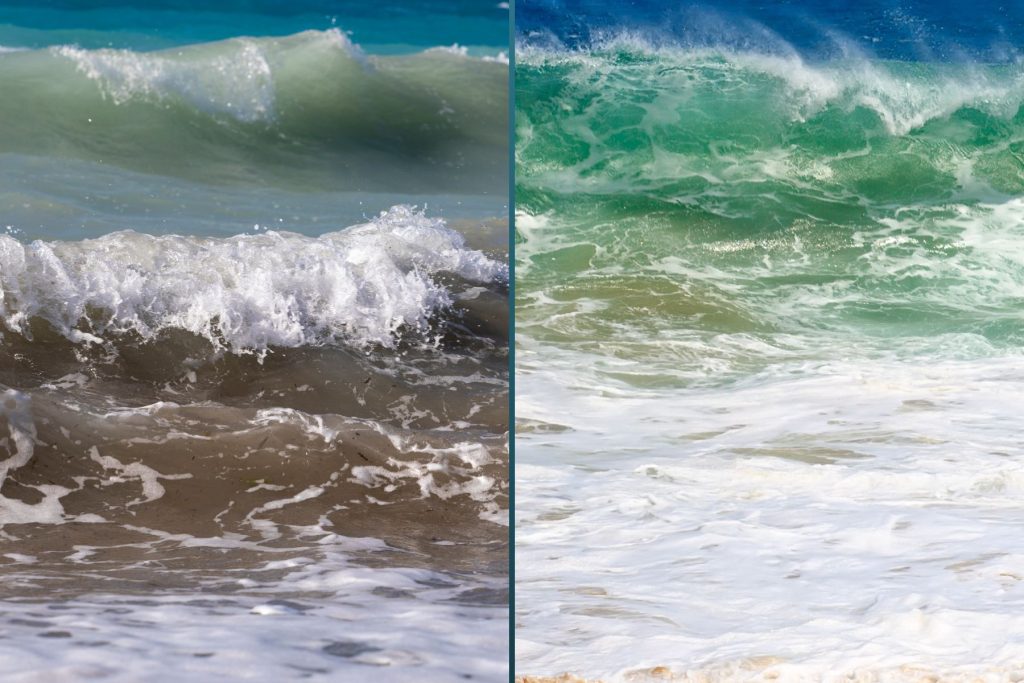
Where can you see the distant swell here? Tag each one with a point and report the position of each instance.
(368, 284)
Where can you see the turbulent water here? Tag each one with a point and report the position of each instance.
(768, 363)
(253, 352)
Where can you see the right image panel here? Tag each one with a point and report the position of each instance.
(770, 321)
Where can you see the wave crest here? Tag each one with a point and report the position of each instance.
(363, 285)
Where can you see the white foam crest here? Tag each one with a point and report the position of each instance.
(148, 478)
(311, 424)
(906, 102)
(457, 50)
(233, 78)
(16, 411)
(904, 96)
(443, 472)
(862, 534)
(453, 49)
(239, 85)
(362, 285)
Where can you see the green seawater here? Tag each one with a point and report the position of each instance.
(712, 213)
(307, 133)
(309, 111)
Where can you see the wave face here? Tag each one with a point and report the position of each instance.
(885, 182)
(662, 116)
(310, 110)
(768, 333)
(119, 354)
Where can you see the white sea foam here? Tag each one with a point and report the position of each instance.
(412, 626)
(148, 478)
(19, 444)
(848, 519)
(249, 292)
(444, 472)
(240, 85)
(236, 80)
(903, 96)
(453, 49)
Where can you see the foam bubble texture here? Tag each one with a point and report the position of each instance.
(362, 286)
(237, 81)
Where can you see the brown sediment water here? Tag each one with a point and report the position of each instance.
(340, 482)
(376, 444)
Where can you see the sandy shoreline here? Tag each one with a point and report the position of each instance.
(772, 669)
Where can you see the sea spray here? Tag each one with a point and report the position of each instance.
(245, 293)
(768, 353)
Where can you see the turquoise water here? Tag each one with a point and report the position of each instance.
(405, 27)
(768, 356)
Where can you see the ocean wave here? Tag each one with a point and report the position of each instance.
(234, 78)
(691, 126)
(903, 95)
(367, 285)
(253, 104)
(757, 197)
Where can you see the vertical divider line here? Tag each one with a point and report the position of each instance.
(511, 340)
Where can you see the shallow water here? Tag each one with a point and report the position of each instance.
(253, 344)
(768, 358)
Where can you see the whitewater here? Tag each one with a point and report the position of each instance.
(253, 343)
(768, 361)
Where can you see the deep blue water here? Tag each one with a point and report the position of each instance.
(390, 27)
(987, 30)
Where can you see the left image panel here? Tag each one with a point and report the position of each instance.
(253, 340)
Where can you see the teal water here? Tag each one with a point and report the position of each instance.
(403, 27)
(298, 121)
(768, 357)
(732, 193)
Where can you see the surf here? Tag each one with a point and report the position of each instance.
(669, 122)
(311, 109)
(768, 306)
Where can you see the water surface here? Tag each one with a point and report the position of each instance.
(769, 341)
(253, 346)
